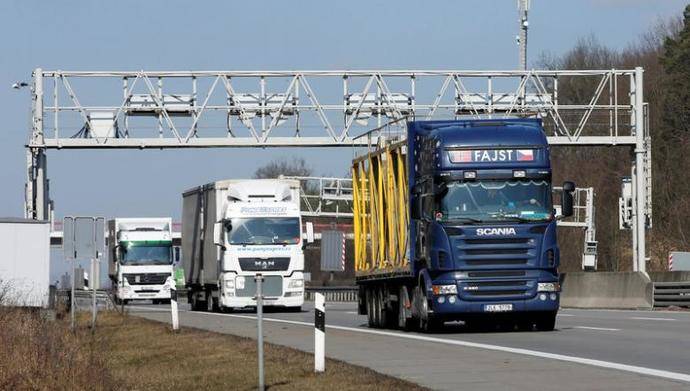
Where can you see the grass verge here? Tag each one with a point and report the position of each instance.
(131, 353)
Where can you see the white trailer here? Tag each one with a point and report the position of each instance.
(141, 258)
(25, 262)
(234, 229)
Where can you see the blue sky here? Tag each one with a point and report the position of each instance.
(233, 35)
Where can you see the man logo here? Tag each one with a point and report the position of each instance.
(264, 264)
(495, 231)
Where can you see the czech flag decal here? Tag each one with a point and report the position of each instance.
(525, 155)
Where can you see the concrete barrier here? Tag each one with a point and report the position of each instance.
(619, 290)
(677, 276)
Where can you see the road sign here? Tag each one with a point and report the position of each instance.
(333, 251)
(84, 237)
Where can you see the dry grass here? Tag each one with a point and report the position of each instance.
(129, 353)
(42, 354)
(146, 355)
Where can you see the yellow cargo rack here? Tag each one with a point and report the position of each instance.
(381, 216)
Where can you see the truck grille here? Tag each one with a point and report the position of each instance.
(146, 278)
(496, 289)
(496, 252)
(265, 264)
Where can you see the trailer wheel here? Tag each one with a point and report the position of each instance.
(384, 317)
(546, 322)
(378, 311)
(370, 306)
(404, 322)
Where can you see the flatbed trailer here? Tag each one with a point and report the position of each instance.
(455, 222)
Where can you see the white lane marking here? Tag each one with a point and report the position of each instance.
(585, 310)
(352, 312)
(645, 318)
(559, 314)
(595, 328)
(526, 352)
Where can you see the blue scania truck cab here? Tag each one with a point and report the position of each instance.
(482, 243)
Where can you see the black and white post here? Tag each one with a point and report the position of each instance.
(319, 333)
(72, 304)
(92, 283)
(173, 307)
(259, 327)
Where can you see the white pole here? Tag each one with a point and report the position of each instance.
(639, 165)
(319, 333)
(73, 307)
(173, 308)
(259, 329)
(92, 282)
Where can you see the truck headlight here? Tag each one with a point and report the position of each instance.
(230, 284)
(298, 283)
(548, 287)
(445, 289)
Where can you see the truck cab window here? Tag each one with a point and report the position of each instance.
(497, 200)
(146, 254)
(264, 230)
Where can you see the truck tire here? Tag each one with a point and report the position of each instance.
(369, 297)
(384, 315)
(377, 308)
(546, 322)
(428, 323)
(404, 323)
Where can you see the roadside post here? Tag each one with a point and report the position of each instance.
(319, 333)
(94, 279)
(92, 284)
(173, 308)
(83, 237)
(259, 328)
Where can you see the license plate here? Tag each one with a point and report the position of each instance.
(498, 307)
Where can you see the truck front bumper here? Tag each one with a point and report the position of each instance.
(143, 292)
(460, 309)
(296, 299)
(536, 292)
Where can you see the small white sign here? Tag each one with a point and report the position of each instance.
(239, 282)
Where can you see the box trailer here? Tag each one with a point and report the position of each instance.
(25, 262)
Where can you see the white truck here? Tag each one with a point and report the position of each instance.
(234, 229)
(141, 258)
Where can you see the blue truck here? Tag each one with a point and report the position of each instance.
(456, 222)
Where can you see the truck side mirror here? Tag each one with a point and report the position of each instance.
(310, 231)
(117, 253)
(218, 234)
(567, 199)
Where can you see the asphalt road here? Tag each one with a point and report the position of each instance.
(590, 349)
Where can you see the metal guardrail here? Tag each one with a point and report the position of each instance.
(83, 299)
(333, 293)
(668, 294)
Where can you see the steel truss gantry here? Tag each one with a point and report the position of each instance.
(209, 109)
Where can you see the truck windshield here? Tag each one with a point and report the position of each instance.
(264, 230)
(494, 200)
(146, 254)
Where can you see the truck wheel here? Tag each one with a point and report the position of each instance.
(377, 307)
(546, 322)
(404, 323)
(197, 305)
(370, 307)
(384, 318)
(427, 322)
